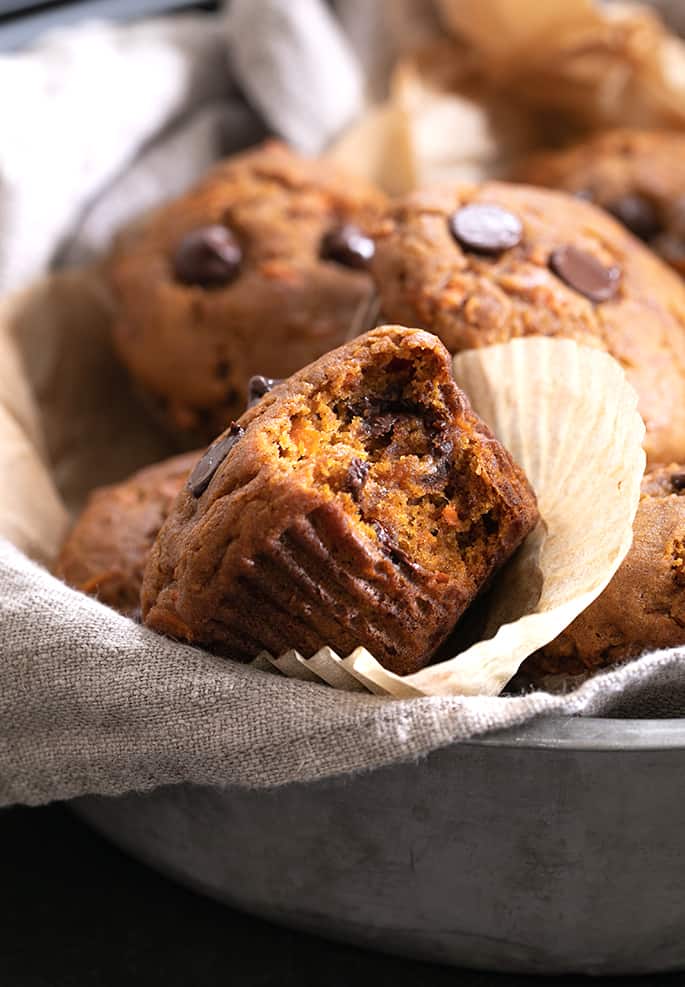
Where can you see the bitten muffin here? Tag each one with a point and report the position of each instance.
(105, 552)
(643, 607)
(636, 175)
(361, 502)
(481, 264)
(259, 269)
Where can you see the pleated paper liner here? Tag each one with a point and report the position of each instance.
(569, 418)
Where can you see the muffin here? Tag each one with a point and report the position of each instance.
(105, 552)
(259, 269)
(361, 502)
(636, 175)
(481, 264)
(643, 607)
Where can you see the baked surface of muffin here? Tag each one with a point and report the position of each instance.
(105, 552)
(643, 607)
(636, 175)
(259, 269)
(479, 265)
(360, 502)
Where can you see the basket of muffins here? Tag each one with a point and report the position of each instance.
(418, 431)
(373, 456)
(411, 413)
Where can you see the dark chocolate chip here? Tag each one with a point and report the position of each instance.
(636, 213)
(378, 426)
(357, 472)
(678, 481)
(390, 546)
(485, 229)
(209, 257)
(384, 538)
(584, 273)
(347, 245)
(259, 386)
(443, 447)
(371, 406)
(204, 470)
(439, 474)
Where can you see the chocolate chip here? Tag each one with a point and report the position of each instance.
(636, 213)
(584, 273)
(678, 481)
(209, 257)
(439, 474)
(204, 470)
(357, 472)
(485, 229)
(388, 545)
(377, 427)
(373, 406)
(442, 446)
(385, 540)
(347, 245)
(259, 386)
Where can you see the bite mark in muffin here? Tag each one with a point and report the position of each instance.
(363, 504)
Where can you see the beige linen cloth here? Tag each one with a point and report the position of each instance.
(90, 702)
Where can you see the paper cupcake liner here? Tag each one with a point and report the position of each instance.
(305, 589)
(569, 418)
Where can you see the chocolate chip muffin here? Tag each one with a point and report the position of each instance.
(479, 265)
(361, 502)
(636, 175)
(106, 550)
(259, 269)
(643, 607)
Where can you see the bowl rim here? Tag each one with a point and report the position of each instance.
(589, 733)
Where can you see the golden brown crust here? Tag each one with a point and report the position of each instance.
(360, 502)
(643, 607)
(194, 348)
(105, 552)
(637, 175)
(469, 300)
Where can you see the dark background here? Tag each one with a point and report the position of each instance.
(76, 912)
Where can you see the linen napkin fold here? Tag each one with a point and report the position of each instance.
(106, 121)
(93, 703)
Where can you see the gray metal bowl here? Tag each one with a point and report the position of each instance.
(558, 847)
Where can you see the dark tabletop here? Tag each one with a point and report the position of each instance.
(76, 912)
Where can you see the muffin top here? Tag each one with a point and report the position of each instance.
(260, 268)
(479, 265)
(106, 550)
(636, 175)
